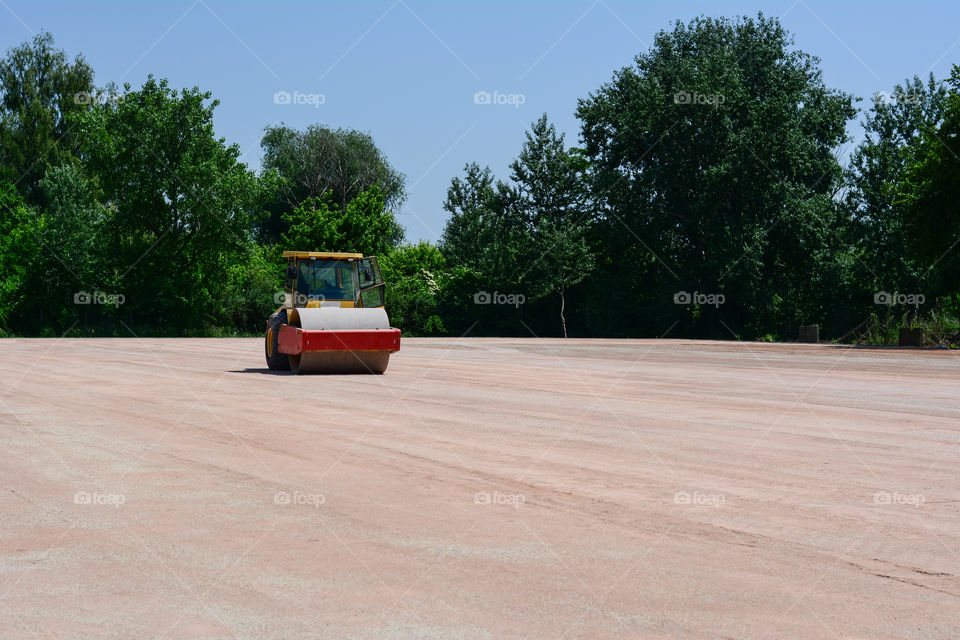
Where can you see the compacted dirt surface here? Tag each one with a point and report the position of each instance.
(481, 488)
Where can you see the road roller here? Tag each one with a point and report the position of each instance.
(332, 318)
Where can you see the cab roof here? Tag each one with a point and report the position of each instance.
(322, 254)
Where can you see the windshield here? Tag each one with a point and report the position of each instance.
(326, 280)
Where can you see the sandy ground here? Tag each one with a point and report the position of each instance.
(479, 489)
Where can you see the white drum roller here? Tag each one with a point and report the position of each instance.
(335, 340)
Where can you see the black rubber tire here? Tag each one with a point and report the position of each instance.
(276, 361)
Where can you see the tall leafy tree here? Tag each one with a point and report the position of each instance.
(419, 281)
(39, 88)
(471, 204)
(929, 196)
(894, 128)
(71, 261)
(366, 226)
(488, 245)
(714, 168)
(549, 189)
(320, 160)
(182, 204)
(19, 230)
(486, 232)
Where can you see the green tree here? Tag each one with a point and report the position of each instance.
(486, 233)
(181, 204)
(39, 89)
(71, 258)
(471, 204)
(417, 280)
(713, 170)
(321, 160)
(19, 230)
(894, 129)
(366, 226)
(549, 189)
(488, 245)
(929, 196)
(250, 294)
(313, 225)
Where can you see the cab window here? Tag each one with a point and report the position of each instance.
(325, 280)
(372, 297)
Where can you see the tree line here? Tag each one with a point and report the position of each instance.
(710, 194)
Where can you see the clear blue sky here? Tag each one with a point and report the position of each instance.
(406, 71)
